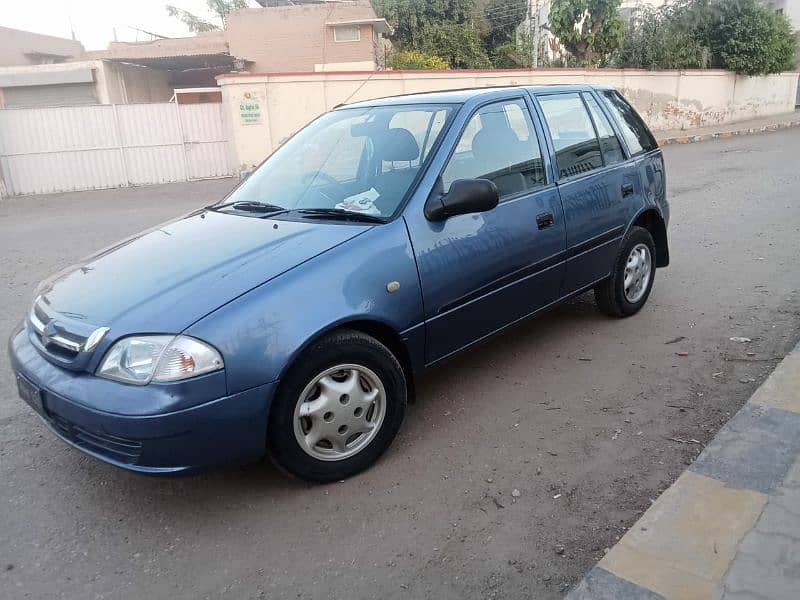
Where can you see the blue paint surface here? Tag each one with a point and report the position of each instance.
(259, 290)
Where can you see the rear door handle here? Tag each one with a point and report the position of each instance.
(544, 220)
(627, 190)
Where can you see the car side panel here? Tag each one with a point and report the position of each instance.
(479, 272)
(649, 169)
(596, 215)
(262, 332)
(652, 174)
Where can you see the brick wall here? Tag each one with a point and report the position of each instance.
(295, 38)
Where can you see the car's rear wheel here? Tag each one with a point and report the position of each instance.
(338, 408)
(626, 291)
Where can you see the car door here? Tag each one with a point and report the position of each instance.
(479, 272)
(593, 181)
(645, 166)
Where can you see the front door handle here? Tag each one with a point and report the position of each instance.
(627, 190)
(544, 220)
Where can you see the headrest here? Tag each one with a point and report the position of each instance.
(489, 140)
(398, 144)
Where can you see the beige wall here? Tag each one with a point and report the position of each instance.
(666, 99)
(114, 83)
(16, 46)
(295, 38)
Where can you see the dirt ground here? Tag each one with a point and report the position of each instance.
(588, 418)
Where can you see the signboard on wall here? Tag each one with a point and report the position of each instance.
(250, 109)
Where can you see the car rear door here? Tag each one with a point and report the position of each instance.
(646, 164)
(594, 183)
(483, 271)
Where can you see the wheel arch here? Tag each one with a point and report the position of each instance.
(651, 220)
(379, 330)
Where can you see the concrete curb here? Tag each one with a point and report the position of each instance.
(690, 139)
(728, 527)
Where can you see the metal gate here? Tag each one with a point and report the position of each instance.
(71, 148)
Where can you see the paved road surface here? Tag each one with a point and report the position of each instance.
(573, 410)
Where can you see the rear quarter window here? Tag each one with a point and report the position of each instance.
(636, 134)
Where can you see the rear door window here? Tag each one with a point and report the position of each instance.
(636, 134)
(609, 143)
(574, 138)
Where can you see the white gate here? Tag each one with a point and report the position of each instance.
(71, 148)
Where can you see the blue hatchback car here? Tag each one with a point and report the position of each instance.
(291, 318)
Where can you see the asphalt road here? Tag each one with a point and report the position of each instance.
(574, 410)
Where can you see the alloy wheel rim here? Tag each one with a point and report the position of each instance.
(339, 412)
(638, 269)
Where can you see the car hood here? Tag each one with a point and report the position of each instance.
(166, 278)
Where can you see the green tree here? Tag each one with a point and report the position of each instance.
(589, 29)
(502, 18)
(458, 43)
(219, 8)
(655, 39)
(740, 35)
(466, 33)
(752, 39)
(414, 60)
(410, 17)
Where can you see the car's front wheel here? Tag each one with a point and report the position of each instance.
(338, 408)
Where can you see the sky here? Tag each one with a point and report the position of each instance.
(94, 21)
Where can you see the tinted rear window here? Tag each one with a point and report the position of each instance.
(635, 132)
(577, 148)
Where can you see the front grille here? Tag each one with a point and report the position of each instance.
(58, 337)
(54, 349)
(117, 448)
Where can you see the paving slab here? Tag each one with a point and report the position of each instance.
(729, 527)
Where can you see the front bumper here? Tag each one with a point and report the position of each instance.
(209, 432)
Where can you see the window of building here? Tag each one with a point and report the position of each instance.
(347, 33)
(576, 145)
(499, 143)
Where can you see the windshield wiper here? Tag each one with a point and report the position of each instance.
(247, 206)
(339, 213)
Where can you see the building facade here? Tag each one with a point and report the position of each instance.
(19, 47)
(310, 36)
(332, 36)
(790, 9)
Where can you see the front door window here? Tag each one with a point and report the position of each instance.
(499, 143)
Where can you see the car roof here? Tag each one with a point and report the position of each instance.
(460, 96)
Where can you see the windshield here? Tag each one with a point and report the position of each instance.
(360, 160)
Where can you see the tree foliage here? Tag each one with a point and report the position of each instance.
(219, 8)
(749, 38)
(740, 35)
(654, 39)
(458, 43)
(462, 32)
(410, 18)
(589, 29)
(414, 60)
(502, 19)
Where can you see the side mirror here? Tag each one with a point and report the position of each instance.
(465, 196)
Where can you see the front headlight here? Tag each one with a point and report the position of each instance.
(146, 358)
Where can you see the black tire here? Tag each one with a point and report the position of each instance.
(610, 295)
(341, 347)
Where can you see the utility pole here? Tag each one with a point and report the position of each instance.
(533, 31)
